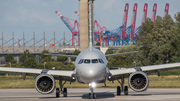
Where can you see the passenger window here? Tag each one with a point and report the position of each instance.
(101, 61)
(86, 61)
(80, 62)
(94, 60)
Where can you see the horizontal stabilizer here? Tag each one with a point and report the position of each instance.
(73, 56)
(120, 53)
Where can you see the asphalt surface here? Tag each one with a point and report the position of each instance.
(81, 94)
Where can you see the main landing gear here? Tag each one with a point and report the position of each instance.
(58, 92)
(125, 90)
(92, 95)
(122, 88)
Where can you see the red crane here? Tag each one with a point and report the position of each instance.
(166, 10)
(133, 23)
(145, 12)
(154, 12)
(99, 32)
(123, 35)
(70, 27)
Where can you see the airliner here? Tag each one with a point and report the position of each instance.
(90, 68)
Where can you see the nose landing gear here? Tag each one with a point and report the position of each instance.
(92, 95)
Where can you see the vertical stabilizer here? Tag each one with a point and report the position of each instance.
(90, 28)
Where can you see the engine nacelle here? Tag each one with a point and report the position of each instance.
(45, 84)
(138, 81)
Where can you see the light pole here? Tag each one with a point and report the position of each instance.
(135, 63)
(10, 64)
(26, 55)
(44, 64)
(167, 61)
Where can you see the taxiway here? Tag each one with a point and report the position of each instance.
(81, 94)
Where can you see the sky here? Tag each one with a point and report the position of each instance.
(39, 16)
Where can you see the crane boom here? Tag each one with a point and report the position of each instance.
(145, 12)
(154, 12)
(133, 24)
(166, 10)
(123, 35)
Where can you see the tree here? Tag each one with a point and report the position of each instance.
(177, 17)
(124, 61)
(76, 52)
(30, 63)
(97, 44)
(112, 62)
(60, 58)
(45, 58)
(176, 56)
(25, 56)
(9, 58)
(158, 42)
(57, 65)
(109, 51)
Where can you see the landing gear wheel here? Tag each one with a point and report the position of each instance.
(89, 95)
(94, 96)
(65, 92)
(126, 90)
(57, 92)
(118, 90)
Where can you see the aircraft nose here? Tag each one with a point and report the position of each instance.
(92, 73)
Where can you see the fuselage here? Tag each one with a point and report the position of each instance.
(91, 66)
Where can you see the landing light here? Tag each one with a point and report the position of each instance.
(91, 72)
(93, 84)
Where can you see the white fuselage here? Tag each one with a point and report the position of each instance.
(91, 66)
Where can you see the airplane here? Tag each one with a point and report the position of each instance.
(90, 68)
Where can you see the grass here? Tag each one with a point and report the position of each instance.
(171, 81)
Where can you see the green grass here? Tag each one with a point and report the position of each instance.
(171, 81)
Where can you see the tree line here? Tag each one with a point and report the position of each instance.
(27, 60)
(157, 43)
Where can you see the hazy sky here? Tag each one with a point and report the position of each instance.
(39, 15)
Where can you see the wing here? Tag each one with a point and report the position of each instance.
(120, 53)
(73, 56)
(35, 72)
(147, 69)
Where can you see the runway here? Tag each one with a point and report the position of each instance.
(81, 94)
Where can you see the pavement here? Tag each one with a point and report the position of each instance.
(81, 94)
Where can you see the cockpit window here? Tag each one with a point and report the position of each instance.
(101, 61)
(94, 60)
(90, 61)
(87, 61)
(80, 62)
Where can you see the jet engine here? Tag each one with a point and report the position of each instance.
(138, 81)
(45, 84)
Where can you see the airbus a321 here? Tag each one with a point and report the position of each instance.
(90, 68)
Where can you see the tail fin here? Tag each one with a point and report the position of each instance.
(90, 28)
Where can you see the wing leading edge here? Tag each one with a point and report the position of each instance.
(35, 72)
(152, 68)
